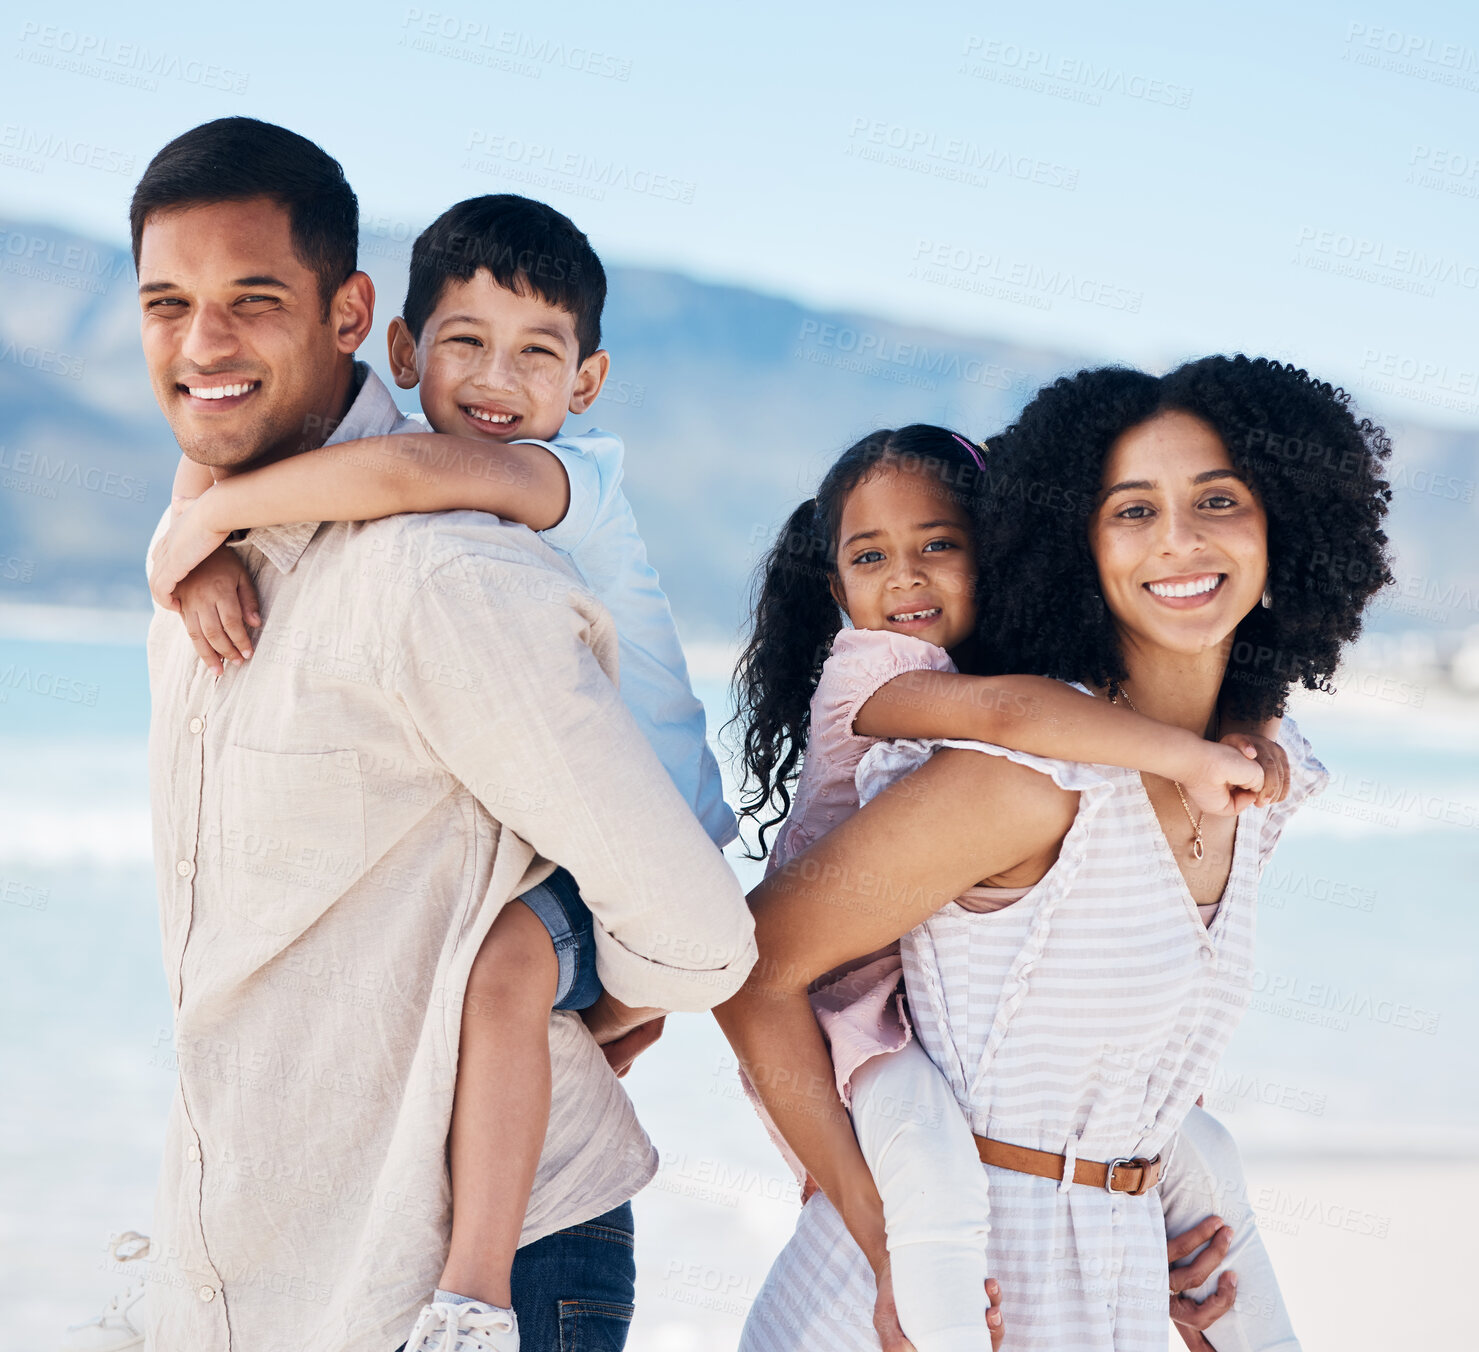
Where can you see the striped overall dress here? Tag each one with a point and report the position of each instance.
(1083, 1020)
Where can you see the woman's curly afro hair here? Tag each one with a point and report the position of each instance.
(1316, 467)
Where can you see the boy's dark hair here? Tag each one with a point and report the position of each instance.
(1317, 467)
(525, 246)
(795, 616)
(235, 158)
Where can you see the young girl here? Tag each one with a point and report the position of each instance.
(887, 542)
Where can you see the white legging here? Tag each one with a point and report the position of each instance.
(1204, 1177)
(935, 1203)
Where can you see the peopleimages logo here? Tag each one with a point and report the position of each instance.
(1040, 70)
(39, 146)
(102, 56)
(49, 471)
(1402, 267)
(952, 157)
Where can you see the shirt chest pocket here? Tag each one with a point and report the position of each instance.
(292, 834)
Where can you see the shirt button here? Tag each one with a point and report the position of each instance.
(184, 868)
(192, 1153)
(197, 725)
(207, 1293)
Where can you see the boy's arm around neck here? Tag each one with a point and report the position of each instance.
(374, 477)
(191, 480)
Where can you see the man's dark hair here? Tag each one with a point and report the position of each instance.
(524, 245)
(235, 158)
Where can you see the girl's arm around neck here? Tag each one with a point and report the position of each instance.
(374, 477)
(960, 818)
(1042, 717)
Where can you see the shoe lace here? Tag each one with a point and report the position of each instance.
(128, 1247)
(457, 1328)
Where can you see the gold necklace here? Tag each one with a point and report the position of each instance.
(1196, 822)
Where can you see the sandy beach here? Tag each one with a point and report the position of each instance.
(1372, 1252)
(1362, 1243)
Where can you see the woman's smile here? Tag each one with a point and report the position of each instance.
(1187, 592)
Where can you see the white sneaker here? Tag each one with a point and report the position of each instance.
(120, 1327)
(469, 1327)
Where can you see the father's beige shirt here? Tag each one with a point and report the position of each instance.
(336, 823)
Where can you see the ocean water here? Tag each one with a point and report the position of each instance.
(1363, 1022)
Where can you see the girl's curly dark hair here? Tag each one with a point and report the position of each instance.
(1317, 469)
(794, 616)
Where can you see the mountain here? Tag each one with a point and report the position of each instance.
(732, 404)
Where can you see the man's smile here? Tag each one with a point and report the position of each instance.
(216, 394)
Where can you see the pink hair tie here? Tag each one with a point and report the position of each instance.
(974, 453)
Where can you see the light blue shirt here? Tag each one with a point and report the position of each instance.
(599, 537)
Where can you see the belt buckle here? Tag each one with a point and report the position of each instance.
(1139, 1162)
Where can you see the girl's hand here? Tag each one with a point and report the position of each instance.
(1271, 758)
(191, 538)
(886, 1316)
(217, 601)
(1224, 779)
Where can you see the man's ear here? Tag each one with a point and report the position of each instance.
(402, 354)
(588, 381)
(352, 311)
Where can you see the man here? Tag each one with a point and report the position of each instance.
(428, 717)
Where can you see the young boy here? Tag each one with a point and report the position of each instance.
(501, 331)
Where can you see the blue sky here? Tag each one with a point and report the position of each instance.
(1139, 182)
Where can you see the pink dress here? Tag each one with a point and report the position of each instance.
(860, 1006)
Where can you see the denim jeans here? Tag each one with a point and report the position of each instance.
(562, 911)
(574, 1290)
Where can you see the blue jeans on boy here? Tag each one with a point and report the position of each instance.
(562, 911)
(574, 1290)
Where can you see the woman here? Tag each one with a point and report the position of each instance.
(1141, 537)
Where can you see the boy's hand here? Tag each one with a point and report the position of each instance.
(217, 601)
(622, 1031)
(1271, 758)
(629, 1046)
(1224, 780)
(191, 538)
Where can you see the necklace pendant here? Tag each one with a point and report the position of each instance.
(1196, 848)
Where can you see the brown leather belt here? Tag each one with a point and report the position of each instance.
(1130, 1176)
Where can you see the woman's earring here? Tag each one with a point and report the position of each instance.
(1268, 600)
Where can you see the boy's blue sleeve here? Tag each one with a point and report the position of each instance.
(584, 473)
